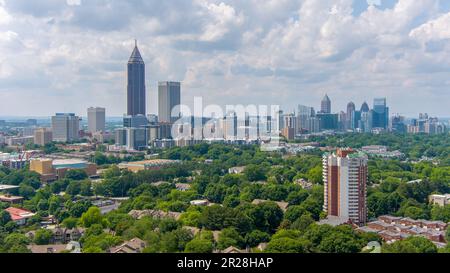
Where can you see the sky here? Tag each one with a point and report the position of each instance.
(68, 55)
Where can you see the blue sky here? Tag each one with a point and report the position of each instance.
(68, 55)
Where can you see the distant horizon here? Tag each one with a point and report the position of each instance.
(24, 118)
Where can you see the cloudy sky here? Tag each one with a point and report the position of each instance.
(67, 55)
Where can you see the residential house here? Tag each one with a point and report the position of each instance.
(19, 216)
(135, 245)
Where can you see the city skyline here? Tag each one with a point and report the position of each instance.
(218, 57)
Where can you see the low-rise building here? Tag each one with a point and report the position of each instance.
(157, 214)
(11, 199)
(47, 249)
(183, 186)
(233, 250)
(440, 199)
(20, 216)
(392, 228)
(145, 165)
(50, 170)
(200, 203)
(135, 245)
(304, 184)
(236, 170)
(18, 141)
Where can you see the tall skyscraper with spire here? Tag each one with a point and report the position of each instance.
(136, 102)
(326, 105)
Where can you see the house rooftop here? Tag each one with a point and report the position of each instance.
(19, 214)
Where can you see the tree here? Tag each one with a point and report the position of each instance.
(294, 212)
(411, 245)
(26, 191)
(78, 208)
(168, 225)
(86, 188)
(16, 241)
(266, 216)
(254, 173)
(199, 246)
(5, 217)
(191, 218)
(288, 245)
(337, 242)
(315, 175)
(230, 237)
(414, 213)
(297, 197)
(303, 222)
(76, 174)
(255, 237)
(175, 241)
(92, 249)
(439, 213)
(216, 192)
(91, 217)
(70, 222)
(216, 217)
(74, 188)
(43, 237)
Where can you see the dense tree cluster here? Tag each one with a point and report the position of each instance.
(233, 219)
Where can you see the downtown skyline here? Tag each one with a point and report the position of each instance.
(84, 67)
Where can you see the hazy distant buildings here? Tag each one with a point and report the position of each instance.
(65, 127)
(132, 138)
(326, 105)
(304, 115)
(96, 119)
(345, 175)
(398, 124)
(138, 121)
(351, 109)
(121, 137)
(42, 136)
(328, 121)
(169, 100)
(31, 122)
(427, 125)
(137, 139)
(136, 98)
(380, 113)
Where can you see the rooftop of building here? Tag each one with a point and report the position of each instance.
(150, 162)
(334, 221)
(10, 198)
(8, 187)
(45, 249)
(19, 214)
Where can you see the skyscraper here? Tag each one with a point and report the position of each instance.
(351, 108)
(365, 108)
(136, 84)
(65, 127)
(345, 176)
(169, 100)
(42, 136)
(326, 105)
(380, 113)
(96, 119)
(303, 115)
